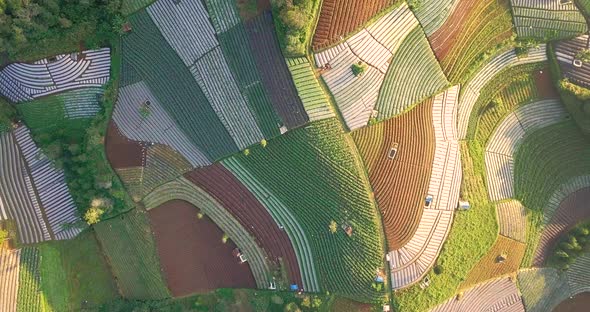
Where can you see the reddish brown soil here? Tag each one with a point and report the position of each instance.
(122, 152)
(572, 210)
(192, 255)
(579, 303)
(237, 200)
(400, 185)
(442, 40)
(341, 17)
(545, 85)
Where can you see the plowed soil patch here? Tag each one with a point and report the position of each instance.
(122, 152)
(341, 17)
(572, 210)
(253, 216)
(544, 84)
(578, 303)
(192, 254)
(401, 184)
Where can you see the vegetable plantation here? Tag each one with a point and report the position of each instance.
(312, 171)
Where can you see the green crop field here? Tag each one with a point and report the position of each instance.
(413, 75)
(544, 161)
(130, 249)
(545, 24)
(309, 90)
(313, 172)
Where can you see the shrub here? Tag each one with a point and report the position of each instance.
(92, 215)
(224, 238)
(247, 152)
(263, 143)
(358, 69)
(438, 269)
(583, 55)
(333, 227)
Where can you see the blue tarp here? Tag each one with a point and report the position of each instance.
(294, 287)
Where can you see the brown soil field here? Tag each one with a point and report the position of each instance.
(339, 18)
(579, 303)
(237, 200)
(545, 85)
(347, 305)
(401, 184)
(488, 266)
(192, 255)
(572, 210)
(122, 152)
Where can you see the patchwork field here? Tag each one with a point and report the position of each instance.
(566, 52)
(193, 257)
(339, 18)
(400, 184)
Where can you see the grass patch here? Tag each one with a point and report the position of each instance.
(53, 277)
(7, 115)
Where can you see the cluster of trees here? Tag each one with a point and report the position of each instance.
(30, 24)
(571, 246)
(7, 115)
(294, 19)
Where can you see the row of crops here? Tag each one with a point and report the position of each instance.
(432, 14)
(413, 75)
(474, 28)
(308, 89)
(534, 19)
(314, 174)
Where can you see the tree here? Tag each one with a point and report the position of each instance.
(247, 152)
(93, 214)
(333, 226)
(358, 69)
(263, 143)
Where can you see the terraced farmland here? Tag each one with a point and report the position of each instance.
(339, 18)
(546, 19)
(413, 75)
(235, 197)
(307, 170)
(9, 281)
(29, 296)
(129, 247)
(400, 184)
(494, 295)
(570, 212)
(555, 164)
(490, 266)
(432, 14)
(373, 46)
(308, 88)
(512, 220)
(542, 288)
(202, 265)
(185, 190)
(274, 71)
(566, 51)
(474, 28)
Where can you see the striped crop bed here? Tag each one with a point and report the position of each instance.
(309, 91)
(313, 173)
(545, 19)
(489, 267)
(338, 18)
(183, 189)
(56, 111)
(401, 184)
(540, 169)
(147, 54)
(274, 71)
(566, 51)
(19, 200)
(9, 278)
(542, 288)
(579, 274)
(240, 57)
(432, 14)
(285, 218)
(222, 185)
(132, 179)
(512, 220)
(495, 295)
(570, 212)
(29, 293)
(162, 165)
(130, 6)
(129, 247)
(413, 75)
(473, 28)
